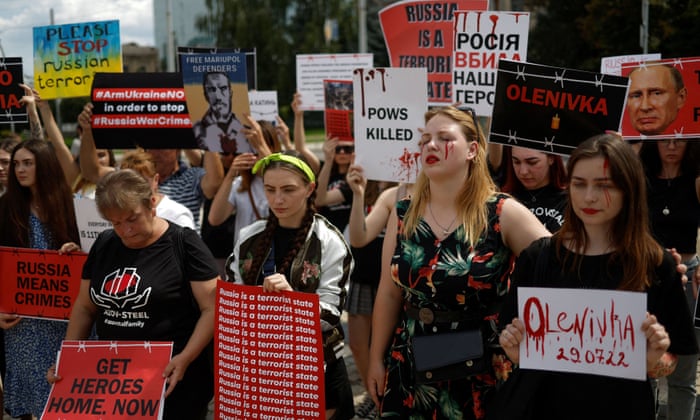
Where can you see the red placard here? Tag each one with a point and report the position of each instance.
(269, 354)
(338, 110)
(687, 122)
(39, 283)
(109, 380)
(420, 34)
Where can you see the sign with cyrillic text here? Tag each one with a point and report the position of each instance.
(583, 330)
(419, 33)
(39, 283)
(481, 39)
(387, 118)
(269, 354)
(109, 380)
(66, 57)
(263, 105)
(553, 109)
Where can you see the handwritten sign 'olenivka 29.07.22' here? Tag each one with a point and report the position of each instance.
(585, 331)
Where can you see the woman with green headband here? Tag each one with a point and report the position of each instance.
(298, 249)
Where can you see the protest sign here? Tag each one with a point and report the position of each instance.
(251, 63)
(419, 33)
(553, 109)
(481, 39)
(140, 110)
(613, 65)
(313, 69)
(11, 111)
(583, 330)
(263, 105)
(653, 113)
(109, 380)
(39, 283)
(216, 91)
(386, 121)
(90, 222)
(269, 354)
(66, 57)
(338, 109)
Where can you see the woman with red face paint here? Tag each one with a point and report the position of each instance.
(605, 243)
(449, 249)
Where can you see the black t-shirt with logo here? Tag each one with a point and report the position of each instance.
(144, 294)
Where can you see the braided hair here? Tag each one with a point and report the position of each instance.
(264, 242)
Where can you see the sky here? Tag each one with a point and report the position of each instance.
(18, 17)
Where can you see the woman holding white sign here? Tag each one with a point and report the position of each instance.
(298, 249)
(449, 249)
(605, 243)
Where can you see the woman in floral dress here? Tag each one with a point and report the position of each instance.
(447, 256)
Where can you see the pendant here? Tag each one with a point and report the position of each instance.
(666, 211)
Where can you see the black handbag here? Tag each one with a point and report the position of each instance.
(449, 355)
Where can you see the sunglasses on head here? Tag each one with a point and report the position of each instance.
(470, 111)
(344, 149)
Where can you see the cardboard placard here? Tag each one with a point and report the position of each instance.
(387, 120)
(140, 110)
(269, 354)
(553, 109)
(39, 283)
(583, 330)
(481, 39)
(66, 57)
(660, 106)
(419, 33)
(11, 111)
(109, 380)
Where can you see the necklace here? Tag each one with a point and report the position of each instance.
(533, 197)
(445, 230)
(666, 211)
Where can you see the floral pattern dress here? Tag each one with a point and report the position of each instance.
(31, 347)
(446, 275)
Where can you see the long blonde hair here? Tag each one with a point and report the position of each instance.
(477, 188)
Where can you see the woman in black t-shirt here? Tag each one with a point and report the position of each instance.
(605, 243)
(538, 181)
(159, 273)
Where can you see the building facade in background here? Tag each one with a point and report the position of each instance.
(183, 18)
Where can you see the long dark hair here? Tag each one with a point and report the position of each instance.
(690, 164)
(267, 236)
(635, 250)
(54, 199)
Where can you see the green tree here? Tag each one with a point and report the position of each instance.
(577, 33)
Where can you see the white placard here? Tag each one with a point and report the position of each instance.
(387, 117)
(613, 65)
(481, 39)
(263, 105)
(90, 222)
(312, 69)
(583, 330)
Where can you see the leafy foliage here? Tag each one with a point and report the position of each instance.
(577, 33)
